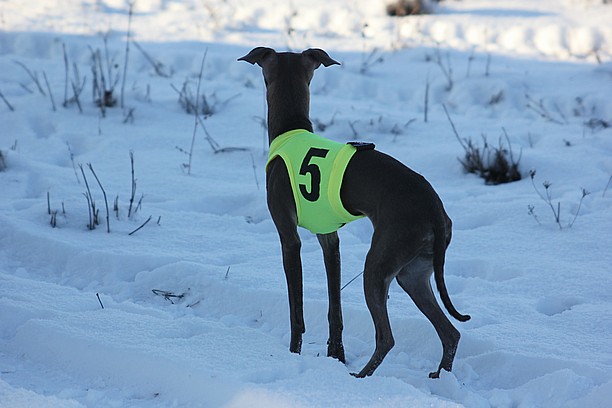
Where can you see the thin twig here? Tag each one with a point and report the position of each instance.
(76, 96)
(89, 226)
(104, 194)
(584, 194)
(540, 109)
(138, 229)
(127, 50)
(32, 75)
(426, 98)
(454, 129)
(90, 202)
(196, 114)
(73, 164)
(116, 206)
(548, 199)
(167, 295)
(157, 66)
(447, 71)
(66, 65)
(351, 281)
(11, 108)
(469, 64)
(254, 171)
(49, 89)
(607, 185)
(133, 185)
(99, 300)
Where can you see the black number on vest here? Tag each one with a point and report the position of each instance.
(315, 174)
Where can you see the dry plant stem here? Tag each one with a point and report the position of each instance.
(102, 88)
(369, 61)
(539, 108)
(531, 211)
(167, 295)
(196, 114)
(133, 186)
(548, 199)
(66, 65)
(446, 71)
(129, 117)
(49, 90)
(607, 185)
(11, 108)
(90, 225)
(139, 205)
(351, 281)
(352, 126)
(53, 220)
(77, 92)
(465, 147)
(33, 76)
(91, 206)
(104, 194)
(254, 171)
(127, 50)
(469, 64)
(510, 147)
(214, 145)
(426, 98)
(584, 194)
(116, 206)
(157, 66)
(99, 300)
(77, 88)
(142, 226)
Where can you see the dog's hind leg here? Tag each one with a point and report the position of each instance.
(331, 255)
(414, 278)
(377, 276)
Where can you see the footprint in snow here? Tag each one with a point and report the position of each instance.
(556, 304)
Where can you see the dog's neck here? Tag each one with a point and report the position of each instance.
(288, 108)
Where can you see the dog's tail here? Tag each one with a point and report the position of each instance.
(439, 255)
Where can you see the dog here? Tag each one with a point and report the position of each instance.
(411, 227)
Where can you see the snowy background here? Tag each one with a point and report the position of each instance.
(195, 305)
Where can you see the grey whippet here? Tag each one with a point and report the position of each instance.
(411, 228)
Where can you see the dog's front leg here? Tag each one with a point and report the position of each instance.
(331, 255)
(282, 209)
(292, 264)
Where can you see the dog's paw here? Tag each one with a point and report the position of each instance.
(336, 350)
(296, 344)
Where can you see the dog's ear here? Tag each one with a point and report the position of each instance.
(318, 57)
(258, 56)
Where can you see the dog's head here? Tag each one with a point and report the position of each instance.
(288, 67)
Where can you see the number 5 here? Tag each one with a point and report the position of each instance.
(315, 174)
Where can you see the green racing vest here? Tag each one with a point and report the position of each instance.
(316, 167)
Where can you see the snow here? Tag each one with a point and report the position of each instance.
(80, 323)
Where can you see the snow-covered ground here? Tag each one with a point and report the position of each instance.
(539, 295)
